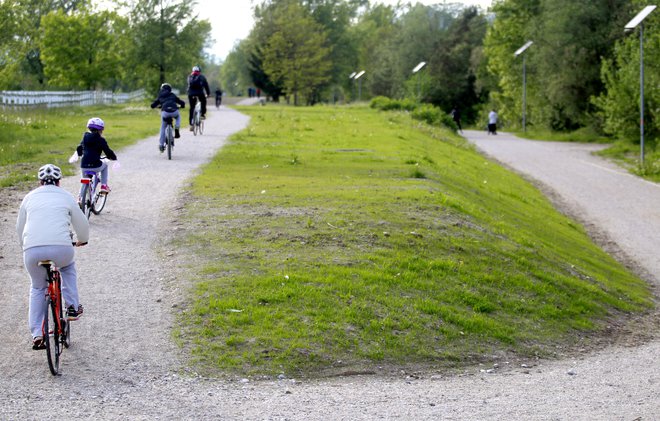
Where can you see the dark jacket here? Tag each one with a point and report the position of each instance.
(167, 101)
(91, 147)
(197, 85)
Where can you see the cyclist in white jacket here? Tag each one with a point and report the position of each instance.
(44, 224)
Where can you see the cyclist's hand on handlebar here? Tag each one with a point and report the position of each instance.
(79, 244)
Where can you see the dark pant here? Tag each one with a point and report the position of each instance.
(492, 128)
(192, 99)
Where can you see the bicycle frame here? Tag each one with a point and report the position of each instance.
(60, 334)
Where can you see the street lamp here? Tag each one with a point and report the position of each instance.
(518, 52)
(356, 77)
(352, 76)
(419, 83)
(637, 21)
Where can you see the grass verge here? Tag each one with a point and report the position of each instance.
(31, 137)
(327, 239)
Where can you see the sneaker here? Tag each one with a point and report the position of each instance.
(161, 148)
(191, 128)
(203, 117)
(176, 134)
(73, 314)
(38, 343)
(105, 189)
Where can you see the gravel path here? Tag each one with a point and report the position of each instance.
(124, 366)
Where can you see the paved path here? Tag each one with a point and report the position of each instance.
(624, 207)
(124, 365)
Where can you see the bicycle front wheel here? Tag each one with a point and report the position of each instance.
(52, 337)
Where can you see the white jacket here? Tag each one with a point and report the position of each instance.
(45, 217)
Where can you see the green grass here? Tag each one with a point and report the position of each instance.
(31, 137)
(322, 239)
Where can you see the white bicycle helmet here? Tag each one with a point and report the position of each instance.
(95, 123)
(196, 69)
(49, 173)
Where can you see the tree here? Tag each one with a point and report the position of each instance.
(23, 20)
(296, 54)
(81, 50)
(167, 40)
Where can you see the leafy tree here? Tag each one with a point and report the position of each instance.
(24, 22)
(510, 30)
(10, 57)
(619, 104)
(452, 66)
(80, 50)
(296, 54)
(167, 41)
(235, 74)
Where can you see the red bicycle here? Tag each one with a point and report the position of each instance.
(56, 329)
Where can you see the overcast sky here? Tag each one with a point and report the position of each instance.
(232, 19)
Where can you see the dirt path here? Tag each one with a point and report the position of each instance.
(123, 364)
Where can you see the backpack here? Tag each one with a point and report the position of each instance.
(195, 82)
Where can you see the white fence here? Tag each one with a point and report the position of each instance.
(66, 98)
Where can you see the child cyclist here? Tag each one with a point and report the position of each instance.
(168, 103)
(91, 147)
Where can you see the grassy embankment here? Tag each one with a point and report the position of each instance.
(327, 239)
(31, 137)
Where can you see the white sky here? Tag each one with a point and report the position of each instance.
(232, 20)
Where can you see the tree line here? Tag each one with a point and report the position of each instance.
(73, 44)
(582, 69)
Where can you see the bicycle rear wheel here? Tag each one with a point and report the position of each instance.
(52, 337)
(99, 202)
(86, 200)
(196, 123)
(169, 140)
(201, 126)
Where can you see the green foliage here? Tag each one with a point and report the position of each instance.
(90, 58)
(387, 243)
(296, 55)
(563, 66)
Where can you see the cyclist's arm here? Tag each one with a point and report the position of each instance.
(79, 223)
(109, 153)
(181, 102)
(20, 223)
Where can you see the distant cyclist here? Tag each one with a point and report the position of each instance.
(169, 104)
(44, 222)
(218, 97)
(198, 90)
(92, 146)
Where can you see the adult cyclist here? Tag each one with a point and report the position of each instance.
(44, 222)
(198, 90)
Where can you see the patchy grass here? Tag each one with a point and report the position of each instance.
(324, 239)
(31, 137)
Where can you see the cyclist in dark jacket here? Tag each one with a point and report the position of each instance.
(169, 105)
(91, 147)
(198, 88)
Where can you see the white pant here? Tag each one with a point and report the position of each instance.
(63, 258)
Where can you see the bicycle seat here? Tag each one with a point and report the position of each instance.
(46, 263)
(167, 120)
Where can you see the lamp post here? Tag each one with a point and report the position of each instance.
(358, 76)
(518, 52)
(638, 21)
(352, 77)
(419, 83)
